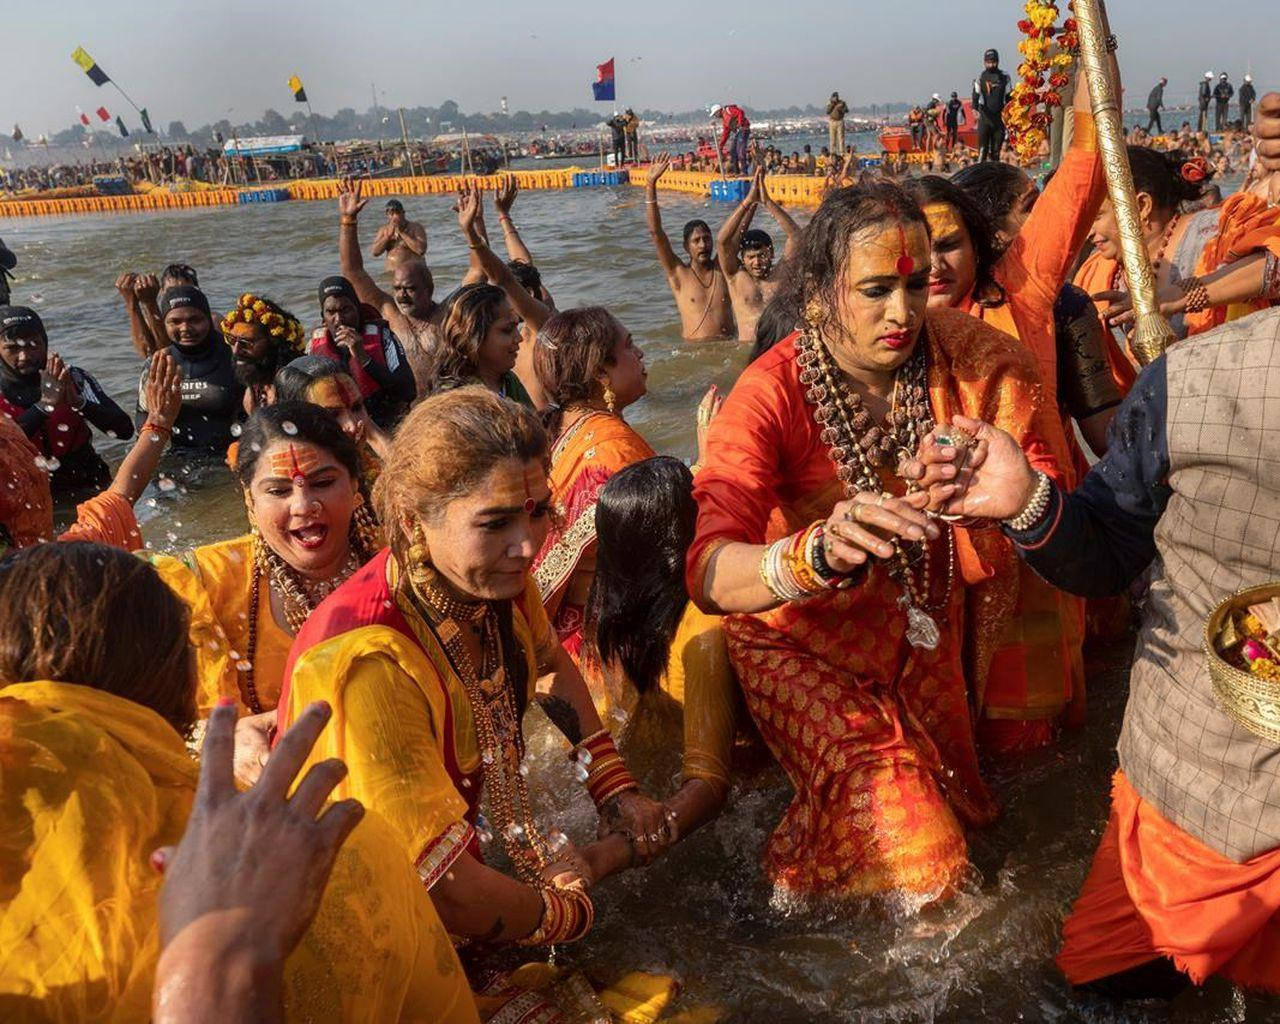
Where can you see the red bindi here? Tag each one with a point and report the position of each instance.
(530, 505)
(906, 265)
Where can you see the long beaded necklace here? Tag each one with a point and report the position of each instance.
(493, 710)
(859, 447)
(298, 595)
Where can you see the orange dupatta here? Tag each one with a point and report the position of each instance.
(583, 459)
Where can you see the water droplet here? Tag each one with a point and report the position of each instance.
(236, 430)
(52, 464)
(244, 666)
(513, 833)
(234, 655)
(64, 427)
(166, 484)
(466, 783)
(557, 840)
(152, 503)
(523, 769)
(153, 438)
(289, 427)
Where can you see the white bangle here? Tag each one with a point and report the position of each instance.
(1035, 508)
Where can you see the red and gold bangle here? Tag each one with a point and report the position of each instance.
(607, 774)
(567, 915)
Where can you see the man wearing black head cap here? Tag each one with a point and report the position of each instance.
(54, 403)
(746, 256)
(400, 238)
(211, 395)
(355, 335)
(990, 93)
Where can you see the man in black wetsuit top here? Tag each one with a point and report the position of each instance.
(954, 118)
(1247, 96)
(1222, 93)
(211, 396)
(1155, 103)
(990, 93)
(54, 403)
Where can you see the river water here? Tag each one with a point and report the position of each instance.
(704, 913)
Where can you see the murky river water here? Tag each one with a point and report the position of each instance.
(703, 913)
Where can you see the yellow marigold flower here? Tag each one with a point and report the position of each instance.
(246, 298)
(259, 306)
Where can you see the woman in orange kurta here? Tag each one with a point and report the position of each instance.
(849, 648)
(591, 370)
(1231, 253)
(1037, 670)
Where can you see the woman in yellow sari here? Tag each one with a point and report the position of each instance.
(95, 699)
(310, 528)
(429, 656)
(590, 369)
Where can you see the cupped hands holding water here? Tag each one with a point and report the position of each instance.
(984, 475)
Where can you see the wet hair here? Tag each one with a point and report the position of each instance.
(295, 379)
(814, 274)
(572, 350)
(693, 226)
(1167, 177)
(527, 274)
(994, 186)
(76, 612)
(779, 318)
(933, 189)
(394, 206)
(293, 421)
(754, 238)
(446, 445)
(645, 519)
(469, 312)
(180, 272)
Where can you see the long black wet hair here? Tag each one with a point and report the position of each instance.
(981, 230)
(779, 318)
(644, 525)
(994, 185)
(298, 421)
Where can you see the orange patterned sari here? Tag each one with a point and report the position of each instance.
(583, 459)
(875, 735)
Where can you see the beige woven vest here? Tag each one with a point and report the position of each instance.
(1219, 534)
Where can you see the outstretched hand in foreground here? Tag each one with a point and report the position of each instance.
(245, 882)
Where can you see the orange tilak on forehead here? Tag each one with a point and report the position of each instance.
(333, 393)
(294, 462)
(943, 220)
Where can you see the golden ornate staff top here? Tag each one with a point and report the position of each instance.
(1151, 333)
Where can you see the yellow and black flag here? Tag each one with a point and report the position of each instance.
(299, 93)
(96, 75)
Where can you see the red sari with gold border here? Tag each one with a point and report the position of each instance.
(875, 735)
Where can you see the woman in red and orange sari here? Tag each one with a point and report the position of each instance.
(1210, 266)
(591, 369)
(1036, 672)
(844, 603)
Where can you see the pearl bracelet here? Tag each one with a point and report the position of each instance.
(1035, 507)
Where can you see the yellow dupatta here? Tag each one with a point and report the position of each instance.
(90, 784)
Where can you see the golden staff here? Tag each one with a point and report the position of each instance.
(1151, 333)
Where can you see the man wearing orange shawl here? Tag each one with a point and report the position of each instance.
(1186, 881)
(874, 732)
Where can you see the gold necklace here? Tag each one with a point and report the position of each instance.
(493, 710)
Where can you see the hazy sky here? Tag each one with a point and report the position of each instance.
(194, 62)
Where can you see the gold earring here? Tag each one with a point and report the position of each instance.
(610, 397)
(419, 569)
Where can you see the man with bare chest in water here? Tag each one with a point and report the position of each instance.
(699, 286)
(400, 239)
(410, 310)
(746, 257)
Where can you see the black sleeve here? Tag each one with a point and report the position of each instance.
(32, 419)
(7, 259)
(99, 408)
(1095, 541)
(396, 378)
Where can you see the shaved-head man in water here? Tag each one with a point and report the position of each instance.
(410, 309)
(702, 294)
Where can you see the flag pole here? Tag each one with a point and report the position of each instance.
(1151, 333)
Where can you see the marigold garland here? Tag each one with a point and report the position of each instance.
(280, 324)
(1029, 109)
